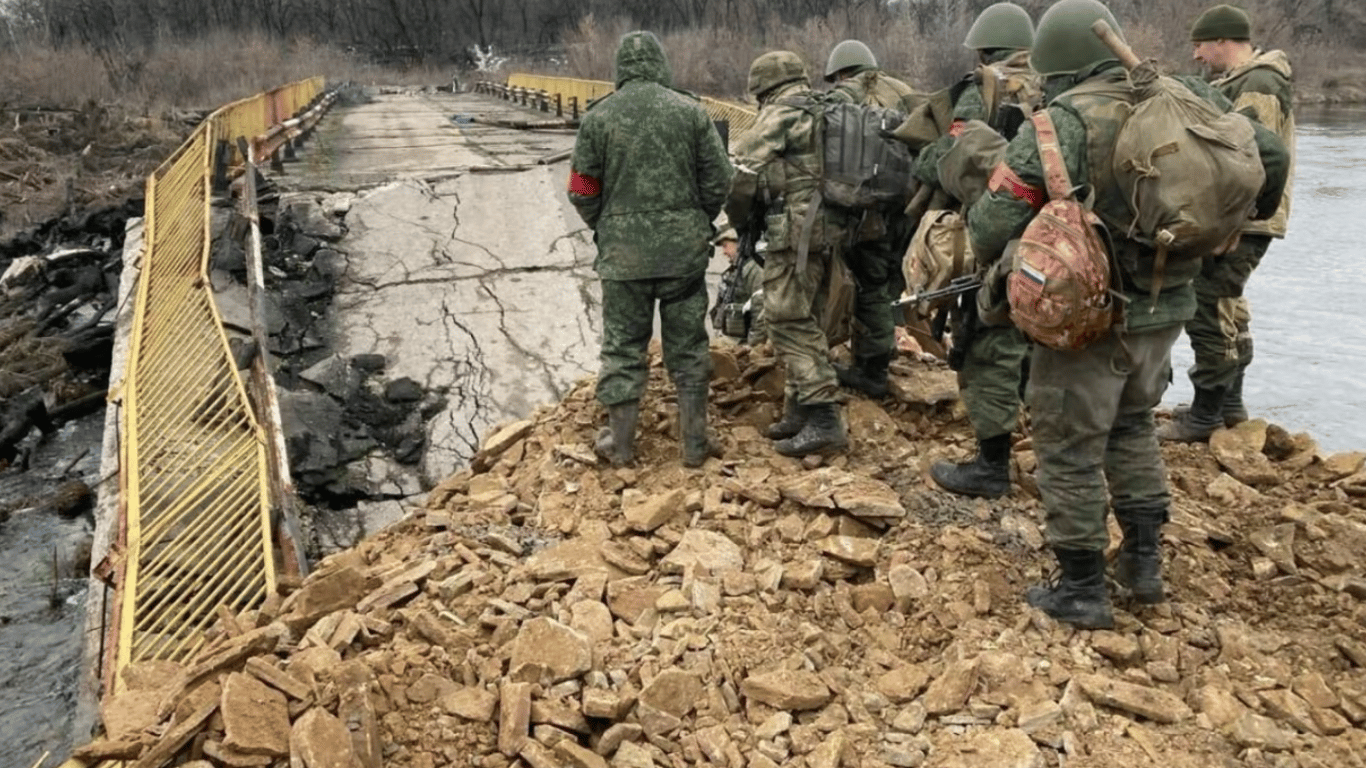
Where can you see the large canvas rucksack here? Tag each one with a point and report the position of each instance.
(1060, 289)
(862, 167)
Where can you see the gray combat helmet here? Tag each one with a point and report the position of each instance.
(773, 69)
(1003, 25)
(1064, 42)
(849, 54)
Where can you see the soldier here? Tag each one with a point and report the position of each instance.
(649, 175)
(777, 164)
(989, 358)
(875, 257)
(742, 318)
(1258, 84)
(1092, 408)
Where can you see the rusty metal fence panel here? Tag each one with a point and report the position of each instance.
(197, 529)
(740, 117)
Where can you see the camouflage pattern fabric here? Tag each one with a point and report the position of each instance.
(1261, 89)
(876, 88)
(1220, 333)
(649, 172)
(969, 106)
(782, 150)
(749, 291)
(990, 379)
(1091, 413)
(1091, 409)
(628, 310)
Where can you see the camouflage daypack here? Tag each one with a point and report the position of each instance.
(1059, 290)
(938, 254)
(862, 167)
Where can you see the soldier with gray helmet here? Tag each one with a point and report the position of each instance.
(1258, 82)
(1092, 409)
(874, 258)
(777, 167)
(649, 175)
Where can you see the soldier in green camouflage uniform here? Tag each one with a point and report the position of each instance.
(1092, 409)
(747, 292)
(649, 175)
(874, 258)
(992, 356)
(778, 164)
(1258, 84)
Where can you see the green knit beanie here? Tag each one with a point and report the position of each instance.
(1222, 22)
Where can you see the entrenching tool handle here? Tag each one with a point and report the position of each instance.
(1121, 49)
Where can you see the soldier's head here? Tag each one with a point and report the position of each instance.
(1064, 43)
(1222, 38)
(641, 57)
(847, 59)
(1000, 27)
(773, 69)
(728, 241)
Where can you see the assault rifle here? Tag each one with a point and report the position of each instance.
(731, 319)
(956, 287)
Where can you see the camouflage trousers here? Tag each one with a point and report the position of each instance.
(1220, 333)
(1092, 417)
(792, 301)
(993, 368)
(628, 314)
(876, 267)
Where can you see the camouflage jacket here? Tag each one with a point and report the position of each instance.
(1261, 89)
(778, 165)
(649, 171)
(876, 88)
(972, 105)
(1088, 117)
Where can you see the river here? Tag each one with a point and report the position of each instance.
(1308, 297)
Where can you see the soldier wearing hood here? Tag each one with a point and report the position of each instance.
(1258, 83)
(649, 174)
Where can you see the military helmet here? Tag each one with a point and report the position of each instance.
(1003, 25)
(1222, 22)
(849, 53)
(1064, 42)
(774, 69)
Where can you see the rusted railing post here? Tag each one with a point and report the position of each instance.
(574, 107)
(559, 104)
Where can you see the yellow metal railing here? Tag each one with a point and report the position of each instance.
(197, 529)
(739, 116)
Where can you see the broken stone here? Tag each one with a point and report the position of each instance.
(471, 703)
(255, 717)
(1122, 649)
(1289, 708)
(1039, 715)
(655, 510)
(319, 740)
(703, 552)
(565, 652)
(514, 717)
(787, 689)
(673, 692)
(950, 691)
(907, 583)
(592, 618)
(1254, 731)
(1141, 700)
(848, 549)
(903, 683)
(1004, 748)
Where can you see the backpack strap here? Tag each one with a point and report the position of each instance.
(1050, 154)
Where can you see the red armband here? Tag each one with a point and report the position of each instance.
(584, 186)
(956, 128)
(1003, 178)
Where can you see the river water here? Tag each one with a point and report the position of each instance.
(1308, 296)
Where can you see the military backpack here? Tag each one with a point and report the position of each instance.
(862, 167)
(1060, 288)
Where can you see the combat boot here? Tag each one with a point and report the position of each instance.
(617, 441)
(1234, 411)
(697, 444)
(823, 433)
(867, 375)
(987, 475)
(1078, 596)
(1197, 423)
(794, 418)
(1139, 565)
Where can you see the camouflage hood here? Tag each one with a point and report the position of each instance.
(640, 57)
(1276, 61)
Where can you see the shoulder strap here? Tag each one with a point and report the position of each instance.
(1050, 154)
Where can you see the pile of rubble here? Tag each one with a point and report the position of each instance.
(547, 611)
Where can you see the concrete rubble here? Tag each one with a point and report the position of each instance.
(547, 611)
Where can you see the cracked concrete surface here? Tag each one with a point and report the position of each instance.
(476, 284)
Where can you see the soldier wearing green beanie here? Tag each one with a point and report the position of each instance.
(1258, 83)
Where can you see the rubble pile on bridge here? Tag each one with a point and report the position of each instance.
(547, 611)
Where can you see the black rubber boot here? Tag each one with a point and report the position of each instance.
(794, 418)
(1197, 423)
(1079, 596)
(617, 441)
(867, 375)
(692, 418)
(1234, 411)
(1139, 565)
(987, 475)
(823, 433)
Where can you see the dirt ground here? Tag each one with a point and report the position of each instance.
(64, 163)
(546, 610)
